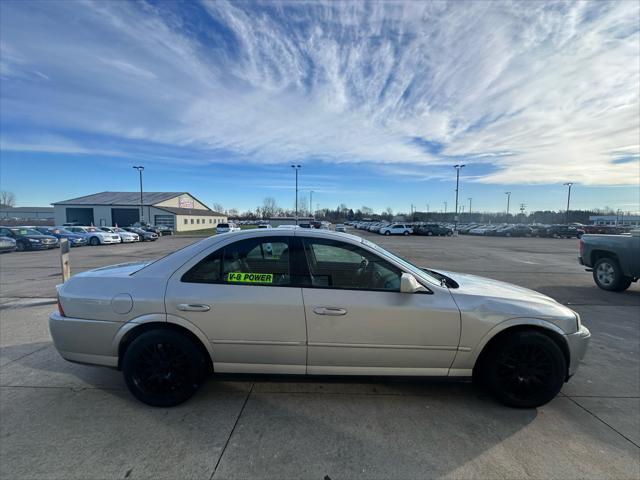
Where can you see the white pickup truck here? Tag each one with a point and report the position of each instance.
(613, 259)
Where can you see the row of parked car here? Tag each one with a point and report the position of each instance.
(46, 237)
(498, 230)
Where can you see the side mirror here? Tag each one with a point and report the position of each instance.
(409, 284)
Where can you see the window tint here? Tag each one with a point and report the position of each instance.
(255, 261)
(334, 264)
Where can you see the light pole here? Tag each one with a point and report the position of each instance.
(413, 214)
(568, 184)
(296, 168)
(140, 169)
(445, 210)
(427, 211)
(455, 217)
(310, 202)
(469, 204)
(508, 194)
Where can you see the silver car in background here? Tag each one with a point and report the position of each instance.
(306, 301)
(125, 236)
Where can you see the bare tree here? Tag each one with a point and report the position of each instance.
(302, 206)
(7, 199)
(217, 207)
(269, 207)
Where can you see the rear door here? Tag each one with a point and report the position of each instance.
(241, 296)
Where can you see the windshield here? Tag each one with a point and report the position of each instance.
(418, 272)
(25, 231)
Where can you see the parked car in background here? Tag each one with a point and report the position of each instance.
(94, 235)
(265, 225)
(613, 259)
(514, 231)
(29, 239)
(341, 227)
(227, 227)
(558, 231)
(74, 239)
(396, 229)
(143, 235)
(125, 237)
(598, 229)
(7, 244)
(161, 230)
(305, 225)
(433, 229)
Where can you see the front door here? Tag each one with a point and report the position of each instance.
(241, 297)
(359, 322)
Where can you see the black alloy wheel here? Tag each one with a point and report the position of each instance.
(163, 368)
(525, 370)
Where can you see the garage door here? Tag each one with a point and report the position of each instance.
(124, 217)
(82, 216)
(167, 220)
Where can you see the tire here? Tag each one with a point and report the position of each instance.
(387, 232)
(163, 368)
(449, 234)
(94, 241)
(525, 369)
(429, 233)
(608, 275)
(406, 233)
(21, 246)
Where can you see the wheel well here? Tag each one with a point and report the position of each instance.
(556, 337)
(598, 254)
(146, 327)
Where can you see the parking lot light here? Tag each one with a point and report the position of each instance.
(296, 168)
(568, 184)
(455, 216)
(140, 169)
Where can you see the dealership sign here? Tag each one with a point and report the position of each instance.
(185, 202)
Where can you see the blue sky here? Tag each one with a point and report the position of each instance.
(377, 101)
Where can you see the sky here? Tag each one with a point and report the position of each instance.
(375, 100)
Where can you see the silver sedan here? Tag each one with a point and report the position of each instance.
(311, 302)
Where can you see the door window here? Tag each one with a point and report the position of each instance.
(255, 261)
(334, 264)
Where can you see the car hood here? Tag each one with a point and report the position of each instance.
(119, 270)
(485, 296)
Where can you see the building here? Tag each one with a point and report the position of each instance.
(178, 210)
(616, 220)
(26, 213)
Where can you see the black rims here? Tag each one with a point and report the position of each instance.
(524, 369)
(163, 368)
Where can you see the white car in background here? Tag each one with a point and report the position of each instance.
(341, 228)
(126, 237)
(265, 225)
(396, 229)
(227, 228)
(95, 236)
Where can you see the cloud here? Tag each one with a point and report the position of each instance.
(542, 92)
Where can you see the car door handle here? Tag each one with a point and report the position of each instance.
(193, 307)
(334, 311)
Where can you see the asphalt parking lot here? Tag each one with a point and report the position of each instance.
(61, 420)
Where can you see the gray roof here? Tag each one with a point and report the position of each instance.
(191, 211)
(121, 198)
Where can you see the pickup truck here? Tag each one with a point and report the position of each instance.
(613, 259)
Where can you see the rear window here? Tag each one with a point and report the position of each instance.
(223, 225)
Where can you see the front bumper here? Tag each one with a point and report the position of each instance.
(42, 246)
(578, 343)
(107, 241)
(84, 341)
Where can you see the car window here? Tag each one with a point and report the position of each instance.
(340, 265)
(254, 261)
(25, 231)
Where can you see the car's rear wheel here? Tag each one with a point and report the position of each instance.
(163, 368)
(405, 233)
(387, 232)
(608, 275)
(429, 233)
(525, 369)
(21, 246)
(93, 241)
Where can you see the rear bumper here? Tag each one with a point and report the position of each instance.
(578, 343)
(84, 341)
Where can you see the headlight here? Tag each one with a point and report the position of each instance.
(34, 240)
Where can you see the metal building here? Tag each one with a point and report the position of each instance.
(178, 210)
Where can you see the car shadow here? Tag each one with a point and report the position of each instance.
(592, 295)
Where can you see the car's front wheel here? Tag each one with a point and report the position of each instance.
(525, 369)
(163, 368)
(94, 241)
(387, 232)
(21, 246)
(608, 275)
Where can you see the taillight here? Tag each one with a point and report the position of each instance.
(60, 309)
